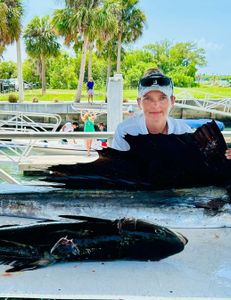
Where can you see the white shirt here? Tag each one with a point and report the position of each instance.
(67, 127)
(136, 125)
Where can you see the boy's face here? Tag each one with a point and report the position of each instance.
(156, 105)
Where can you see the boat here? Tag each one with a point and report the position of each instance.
(64, 147)
(196, 123)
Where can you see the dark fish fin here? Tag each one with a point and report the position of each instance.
(112, 170)
(8, 225)
(27, 265)
(22, 257)
(84, 218)
(207, 133)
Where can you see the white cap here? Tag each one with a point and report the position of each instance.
(155, 81)
(166, 89)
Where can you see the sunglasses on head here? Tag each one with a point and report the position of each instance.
(155, 80)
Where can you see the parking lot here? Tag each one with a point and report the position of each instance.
(11, 85)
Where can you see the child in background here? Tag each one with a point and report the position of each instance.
(90, 92)
(130, 111)
(69, 127)
(102, 127)
(88, 120)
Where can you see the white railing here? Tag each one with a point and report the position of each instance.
(54, 135)
(28, 121)
(219, 106)
(100, 107)
(67, 135)
(16, 121)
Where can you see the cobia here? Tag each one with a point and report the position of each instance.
(28, 247)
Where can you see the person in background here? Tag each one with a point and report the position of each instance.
(90, 90)
(102, 127)
(130, 111)
(88, 120)
(69, 127)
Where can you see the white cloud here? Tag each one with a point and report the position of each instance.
(207, 45)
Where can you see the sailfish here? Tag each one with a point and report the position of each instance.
(154, 161)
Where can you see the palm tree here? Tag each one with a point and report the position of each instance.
(107, 29)
(11, 12)
(3, 27)
(108, 51)
(85, 18)
(131, 22)
(41, 43)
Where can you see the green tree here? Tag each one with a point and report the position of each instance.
(106, 29)
(99, 70)
(41, 43)
(135, 63)
(8, 69)
(83, 20)
(180, 61)
(4, 39)
(107, 51)
(30, 70)
(62, 72)
(133, 57)
(186, 57)
(131, 20)
(161, 56)
(10, 31)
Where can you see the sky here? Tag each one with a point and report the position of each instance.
(205, 22)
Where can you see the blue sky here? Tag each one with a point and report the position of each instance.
(206, 22)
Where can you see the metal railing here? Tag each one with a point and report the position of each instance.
(28, 121)
(54, 135)
(219, 106)
(67, 135)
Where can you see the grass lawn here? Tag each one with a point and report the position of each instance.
(212, 92)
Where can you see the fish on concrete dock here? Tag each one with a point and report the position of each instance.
(80, 238)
